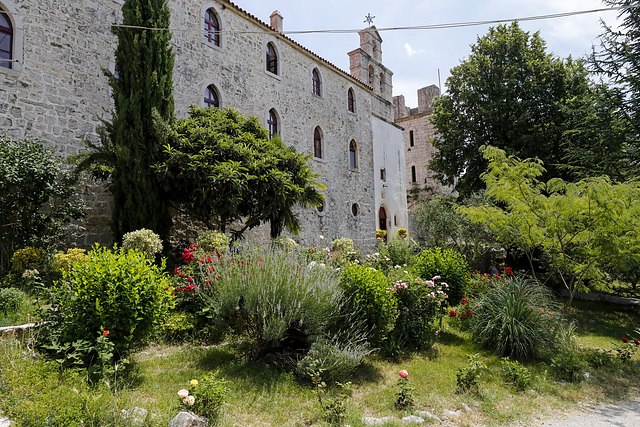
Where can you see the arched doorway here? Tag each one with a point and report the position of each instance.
(382, 219)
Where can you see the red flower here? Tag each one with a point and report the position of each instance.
(105, 332)
(452, 313)
(624, 339)
(187, 255)
(508, 271)
(464, 300)
(404, 374)
(636, 342)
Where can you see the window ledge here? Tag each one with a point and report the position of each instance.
(275, 76)
(10, 72)
(212, 46)
(319, 159)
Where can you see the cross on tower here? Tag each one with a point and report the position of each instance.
(369, 19)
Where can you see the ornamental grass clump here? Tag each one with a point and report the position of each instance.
(516, 320)
(279, 303)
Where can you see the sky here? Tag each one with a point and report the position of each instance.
(418, 57)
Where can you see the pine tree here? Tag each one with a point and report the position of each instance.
(142, 91)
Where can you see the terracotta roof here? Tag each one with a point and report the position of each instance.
(268, 28)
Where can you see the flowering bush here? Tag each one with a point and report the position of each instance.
(28, 258)
(65, 262)
(343, 245)
(213, 241)
(270, 295)
(204, 397)
(449, 265)
(286, 243)
(146, 241)
(404, 397)
(419, 306)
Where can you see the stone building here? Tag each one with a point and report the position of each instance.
(52, 87)
(418, 130)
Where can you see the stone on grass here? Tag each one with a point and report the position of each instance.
(188, 419)
(412, 419)
(426, 415)
(451, 414)
(136, 416)
(371, 421)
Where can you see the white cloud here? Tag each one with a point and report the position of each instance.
(411, 51)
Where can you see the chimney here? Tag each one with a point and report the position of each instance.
(276, 21)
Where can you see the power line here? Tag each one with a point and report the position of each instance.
(348, 31)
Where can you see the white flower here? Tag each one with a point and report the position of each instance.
(182, 394)
(321, 237)
(190, 400)
(321, 265)
(312, 264)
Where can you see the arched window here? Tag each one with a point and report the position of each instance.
(317, 143)
(6, 40)
(414, 178)
(351, 101)
(355, 209)
(381, 84)
(272, 59)
(211, 27)
(272, 123)
(315, 78)
(382, 218)
(411, 138)
(211, 98)
(371, 75)
(353, 155)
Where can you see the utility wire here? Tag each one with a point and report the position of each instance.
(348, 31)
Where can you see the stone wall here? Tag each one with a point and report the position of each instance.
(416, 125)
(58, 93)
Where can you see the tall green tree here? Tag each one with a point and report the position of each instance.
(509, 93)
(223, 170)
(582, 227)
(130, 143)
(617, 60)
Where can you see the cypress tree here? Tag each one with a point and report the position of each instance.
(142, 88)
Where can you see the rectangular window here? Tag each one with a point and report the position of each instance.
(383, 175)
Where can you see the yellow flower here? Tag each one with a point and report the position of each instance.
(194, 382)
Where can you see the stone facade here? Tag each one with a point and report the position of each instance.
(57, 92)
(418, 130)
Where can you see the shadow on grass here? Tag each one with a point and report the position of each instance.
(604, 319)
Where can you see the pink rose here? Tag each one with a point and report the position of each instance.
(404, 374)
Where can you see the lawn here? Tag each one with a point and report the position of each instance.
(261, 393)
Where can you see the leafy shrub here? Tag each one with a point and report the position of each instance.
(213, 241)
(177, 327)
(36, 197)
(381, 235)
(568, 366)
(514, 320)
(343, 245)
(399, 251)
(65, 262)
(285, 243)
(28, 259)
(205, 397)
(11, 300)
(146, 241)
(516, 374)
(467, 377)
(447, 264)
(599, 359)
(118, 292)
(367, 297)
(334, 408)
(279, 302)
(419, 305)
(336, 357)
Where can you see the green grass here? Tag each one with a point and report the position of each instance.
(261, 394)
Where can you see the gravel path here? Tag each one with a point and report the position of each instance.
(620, 415)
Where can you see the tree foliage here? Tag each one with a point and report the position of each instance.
(222, 169)
(130, 144)
(618, 61)
(441, 225)
(582, 227)
(509, 94)
(37, 197)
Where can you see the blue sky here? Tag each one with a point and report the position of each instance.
(415, 56)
